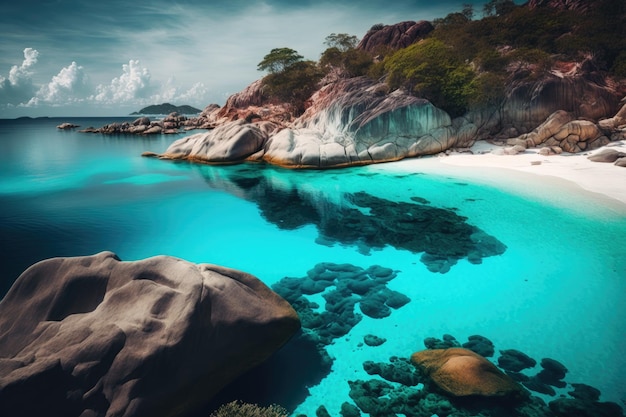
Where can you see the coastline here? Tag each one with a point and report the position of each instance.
(557, 178)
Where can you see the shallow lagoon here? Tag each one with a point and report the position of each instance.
(556, 291)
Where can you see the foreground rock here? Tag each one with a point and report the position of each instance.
(94, 336)
(461, 372)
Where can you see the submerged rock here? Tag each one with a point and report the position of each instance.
(461, 372)
(97, 336)
(514, 361)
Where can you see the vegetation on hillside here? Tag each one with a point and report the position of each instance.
(465, 62)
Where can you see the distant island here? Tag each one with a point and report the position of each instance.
(167, 108)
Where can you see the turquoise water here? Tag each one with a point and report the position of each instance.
(535, 275)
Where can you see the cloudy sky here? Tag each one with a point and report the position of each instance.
(109, 58)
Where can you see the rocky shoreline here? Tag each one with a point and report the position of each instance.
(358, 121)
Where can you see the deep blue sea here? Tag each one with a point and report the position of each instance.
(537, 275)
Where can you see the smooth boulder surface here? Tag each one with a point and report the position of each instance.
(95, 336)
(357, 121)
(562, 131)
(231, 142)
(607, 155)
(353, 121)
(461, 372)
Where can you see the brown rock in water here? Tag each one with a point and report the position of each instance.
(93, 335)
(461, 372)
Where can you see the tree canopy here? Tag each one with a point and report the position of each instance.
(279, 59)
(342, 41)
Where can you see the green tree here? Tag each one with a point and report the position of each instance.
(433, 70)
(279, 59)
(294, 84)
(351, 63)
(343, 55)
(498, 7)
(341, 41)
(468, 11)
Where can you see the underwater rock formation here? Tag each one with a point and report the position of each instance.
(461, 372)
(344, 287)
(405, 390)
(304, 361)
(440, 235)
(373, 340)
(97, 336)
(513, 360)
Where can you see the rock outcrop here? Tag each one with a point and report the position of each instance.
(356, 122)
(581, 6)
(67, 126)
(95, 336)
(584, 95)
(231, 142)
(461, 372)
(353, 121)
(395, 36)
(563, 131)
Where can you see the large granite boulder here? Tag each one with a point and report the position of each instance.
(95, 336)
(400, 35)
(585, 95)
(356, 122)
(230, 142)
(561, 130)
(353, 121)
(461, 372)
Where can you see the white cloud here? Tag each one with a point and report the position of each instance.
(70, 85)
(171, 92)
(197, 95)
(132, 86)
(135, 87)
(18, 88)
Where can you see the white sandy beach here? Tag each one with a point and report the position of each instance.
(534, 174)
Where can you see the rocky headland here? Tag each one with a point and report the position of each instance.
(359, 121)
(571, 107)
(95, 336)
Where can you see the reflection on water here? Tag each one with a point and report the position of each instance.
(360, 218)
